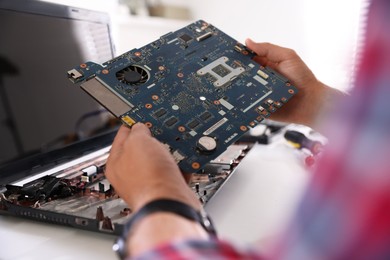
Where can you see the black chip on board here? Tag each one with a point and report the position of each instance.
(186, 38)
(160, 112)
(136, 59)
(206, 115)
(171, 121)
(194, 123)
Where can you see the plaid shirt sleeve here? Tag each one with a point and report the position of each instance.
(200, 249)
(345, 212)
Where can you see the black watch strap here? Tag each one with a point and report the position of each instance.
(163, 205)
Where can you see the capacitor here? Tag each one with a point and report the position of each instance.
(206, 144)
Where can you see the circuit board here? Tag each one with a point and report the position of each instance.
(197, 89)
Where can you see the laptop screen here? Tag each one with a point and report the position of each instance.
(40, 110)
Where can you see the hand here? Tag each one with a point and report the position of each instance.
(141, 169)
(313, 95)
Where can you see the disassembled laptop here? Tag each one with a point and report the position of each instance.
(197, 89)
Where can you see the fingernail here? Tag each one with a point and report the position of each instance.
(141, 127)
(138, 125)
(249, 40)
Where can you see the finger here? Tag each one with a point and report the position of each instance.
(140, 129)
(265, 62)
(273, 53)
(187, 176)
(120, 138)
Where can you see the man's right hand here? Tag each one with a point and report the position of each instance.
(313, 95)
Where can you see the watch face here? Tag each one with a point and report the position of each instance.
(119, 247)
(207, 222)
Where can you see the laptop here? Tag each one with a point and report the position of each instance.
(52, 134)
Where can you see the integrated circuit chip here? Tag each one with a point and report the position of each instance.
(194, 123)
(160, 112)
(206, 115)
(192, 87)
(186, 38)
(136, 59)
(171, 121)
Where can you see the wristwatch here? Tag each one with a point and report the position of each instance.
(163, 205)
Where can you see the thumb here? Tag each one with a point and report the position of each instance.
(270, 51)
(140, 129)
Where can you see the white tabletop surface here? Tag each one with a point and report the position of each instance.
(253, 205)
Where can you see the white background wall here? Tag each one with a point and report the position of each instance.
(324, 32)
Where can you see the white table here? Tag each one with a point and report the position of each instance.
(253, 205)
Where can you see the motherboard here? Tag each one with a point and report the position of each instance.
(197, 89)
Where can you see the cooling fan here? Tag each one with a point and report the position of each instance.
(133, 75)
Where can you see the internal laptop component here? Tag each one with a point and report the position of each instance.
(81, 197)
(197, 89)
